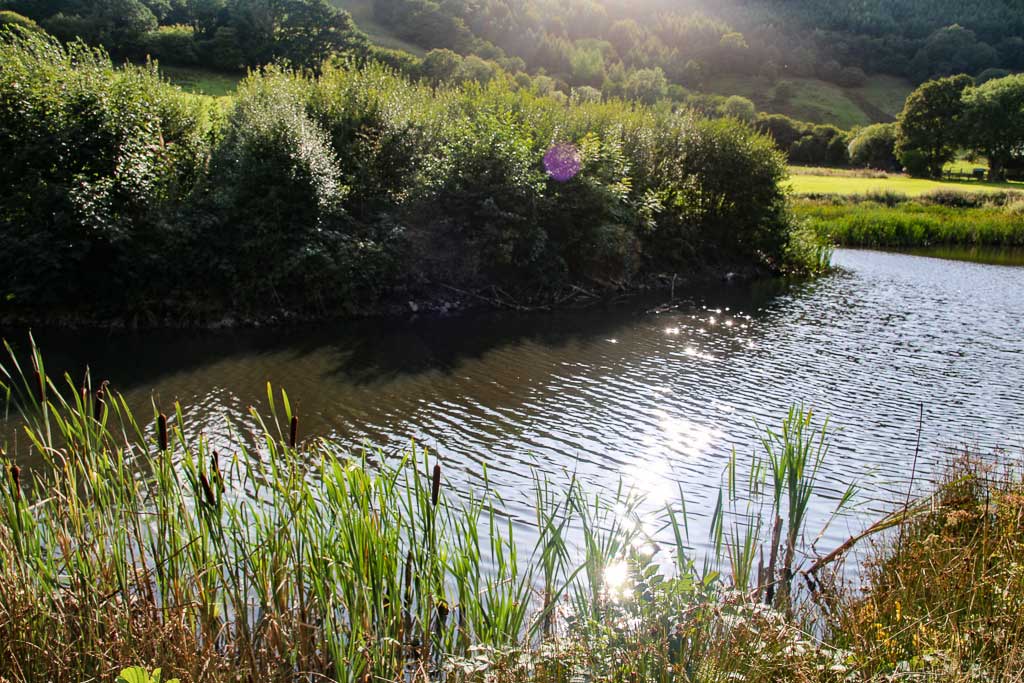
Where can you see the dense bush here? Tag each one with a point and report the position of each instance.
(875, 147)
(317, 194)
(8, 18)
(95, 161)
(172, 45)
(805, 143)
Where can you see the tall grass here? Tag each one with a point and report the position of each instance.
(944, 598)
(283, 558)
(899, 223)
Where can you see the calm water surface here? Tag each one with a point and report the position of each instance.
(657, 399)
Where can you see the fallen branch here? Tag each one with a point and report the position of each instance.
(892, 519)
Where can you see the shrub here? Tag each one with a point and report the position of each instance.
(739, 108)
(172, 44)
(323, 193)
(94, 159)
(278, 201)
(11, 19)
(875, 147)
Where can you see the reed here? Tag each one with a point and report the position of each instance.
(135, 545)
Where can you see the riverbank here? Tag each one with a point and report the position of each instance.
(893, 220)
(133, 544)
(428, 300)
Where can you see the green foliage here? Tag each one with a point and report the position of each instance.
(916, 223)
(277, 200)
(439, 66)
(875, 147)
(96, 159)
(319, 194)
(172, 44)
(225, 34)
(587, 67)
(739, 108)
(993, 122)
(11, 19)
(930, 126)
(646, 85)
(138, 674)
(951, 50)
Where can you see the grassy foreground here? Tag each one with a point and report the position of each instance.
(282, 560)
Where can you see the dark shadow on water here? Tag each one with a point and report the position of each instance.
(995, 256)
(366, 350)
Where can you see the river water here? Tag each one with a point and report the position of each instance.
(652, 396)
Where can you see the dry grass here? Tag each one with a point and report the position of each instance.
(945, 593)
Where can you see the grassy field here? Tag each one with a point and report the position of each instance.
(822, 102)
(803, 183)
(201, 81)
(362, 13)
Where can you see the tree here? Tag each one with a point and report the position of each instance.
(306, 32)
(440, 65)
(875, 147)
(739, 108)
(646, 85)
(625, 35)
(930, 125)
(585, 94)
(950, 50)
(472, 68)
(993, 121)
(587, 67)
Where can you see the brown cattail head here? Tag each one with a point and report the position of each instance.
(101, 401)
(215, 471)
(16, 482)
(161, 429)
(40, 386)
(435, 485)
(211, 500)
(408, 579)
(293, 433)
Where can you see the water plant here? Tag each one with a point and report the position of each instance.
(274, 557)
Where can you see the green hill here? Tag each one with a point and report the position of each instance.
(817, 101)
(362, 14)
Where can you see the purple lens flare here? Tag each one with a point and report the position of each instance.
(562, 162)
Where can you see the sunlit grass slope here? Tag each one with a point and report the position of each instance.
(817, 101)
(362, 14)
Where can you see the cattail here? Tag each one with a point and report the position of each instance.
(435, 485)
(211, 500)
(293, 434)
(442, 612)
(161, 426)
(16, 482)
(101, 401)
(408, 580)
(407, 598)
(215, 471)
(41, 385)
